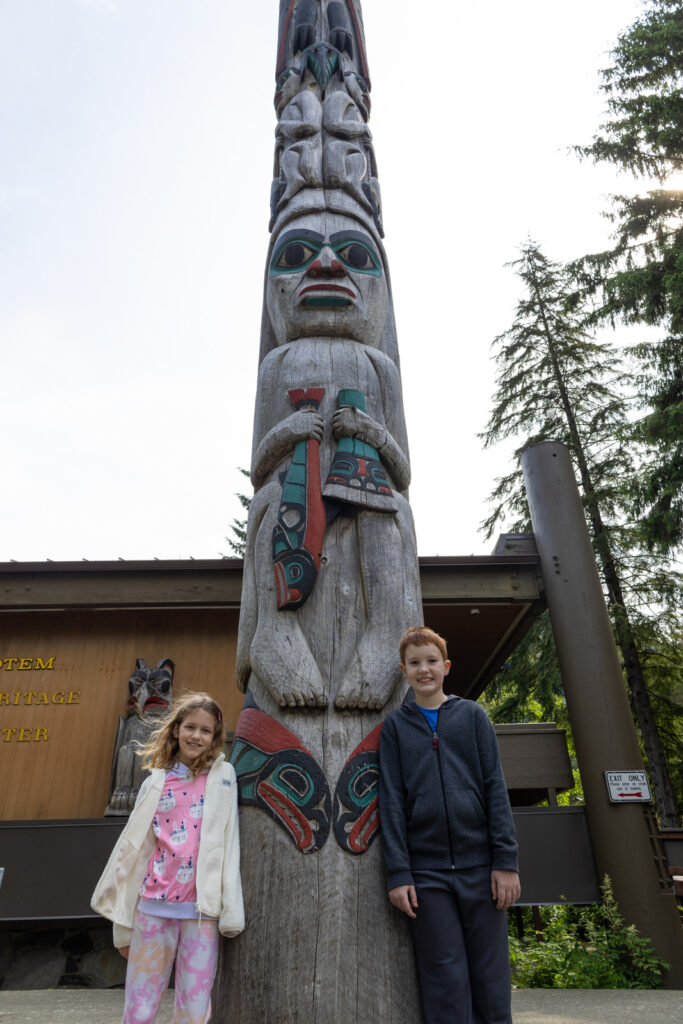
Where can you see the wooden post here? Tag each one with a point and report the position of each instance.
(331, 578)
(624, 836)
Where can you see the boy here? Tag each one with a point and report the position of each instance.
(449, 840)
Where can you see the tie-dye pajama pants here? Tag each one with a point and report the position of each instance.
(156, 942)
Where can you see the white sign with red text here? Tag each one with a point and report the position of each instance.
(628, 787)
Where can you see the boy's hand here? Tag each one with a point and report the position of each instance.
(123, 950)
(505, 888)
(405, 898)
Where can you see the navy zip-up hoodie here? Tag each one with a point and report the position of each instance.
(442, 797)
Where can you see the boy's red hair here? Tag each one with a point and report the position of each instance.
(420, 636)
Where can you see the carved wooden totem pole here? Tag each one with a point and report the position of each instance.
(330, 573)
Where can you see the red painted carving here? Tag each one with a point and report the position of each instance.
(315, 508)
(289, 814)
(283, 39)
(371, 742)
(362, 833)
(266, 733)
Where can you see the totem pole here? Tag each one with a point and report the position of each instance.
(331, 577)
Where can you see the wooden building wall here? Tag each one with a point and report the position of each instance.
(70, 634)
(64, 683)
(69, 637)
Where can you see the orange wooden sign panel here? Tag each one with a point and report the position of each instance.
(64, 683)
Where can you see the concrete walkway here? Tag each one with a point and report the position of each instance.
(529, 1006)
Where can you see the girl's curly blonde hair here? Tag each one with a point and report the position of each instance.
(161, 749)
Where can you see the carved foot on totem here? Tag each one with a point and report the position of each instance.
(283, 662)
(367, 685)
(120, 801)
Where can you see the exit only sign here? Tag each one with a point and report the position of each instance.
(628, 787)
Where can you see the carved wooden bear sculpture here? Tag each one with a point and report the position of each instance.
(150, 692)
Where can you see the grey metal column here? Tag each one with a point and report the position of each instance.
(624, 839)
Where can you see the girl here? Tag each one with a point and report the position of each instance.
(173, 879)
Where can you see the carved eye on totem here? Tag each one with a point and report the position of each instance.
(294, 256)
(357, 256)
(298, 249)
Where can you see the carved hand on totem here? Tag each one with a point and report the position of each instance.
(351, 422)
(302, 425)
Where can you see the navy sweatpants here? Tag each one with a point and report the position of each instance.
(461, 947)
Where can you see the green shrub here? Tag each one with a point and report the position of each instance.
(586, 947)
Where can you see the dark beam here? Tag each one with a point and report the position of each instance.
(159, 584)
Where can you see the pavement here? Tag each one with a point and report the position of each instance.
(529, 1006)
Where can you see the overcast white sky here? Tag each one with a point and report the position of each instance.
(136, 147)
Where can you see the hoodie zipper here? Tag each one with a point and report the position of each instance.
(435, 746)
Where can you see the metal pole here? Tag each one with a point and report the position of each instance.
(624, 836)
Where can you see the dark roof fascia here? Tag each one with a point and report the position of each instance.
(222, 564)
(123, 566)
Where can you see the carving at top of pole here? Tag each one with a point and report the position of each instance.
(322, 99)
(325, 36)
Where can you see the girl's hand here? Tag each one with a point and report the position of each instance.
(123, 950)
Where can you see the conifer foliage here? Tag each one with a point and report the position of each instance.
(556, 382)
(238, 541)
(639, 280)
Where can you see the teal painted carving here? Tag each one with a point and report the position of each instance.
(279, 775)
(297, 250)
(323, 60)
(298, 534)
(356, 474)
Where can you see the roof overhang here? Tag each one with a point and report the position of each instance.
(481, 605)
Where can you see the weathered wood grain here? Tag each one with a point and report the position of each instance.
(331, 578)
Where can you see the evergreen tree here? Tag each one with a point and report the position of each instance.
(528, 687)
(640, 278)
(555, 382)
(238, 541)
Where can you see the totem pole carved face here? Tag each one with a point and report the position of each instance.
(326, 280)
